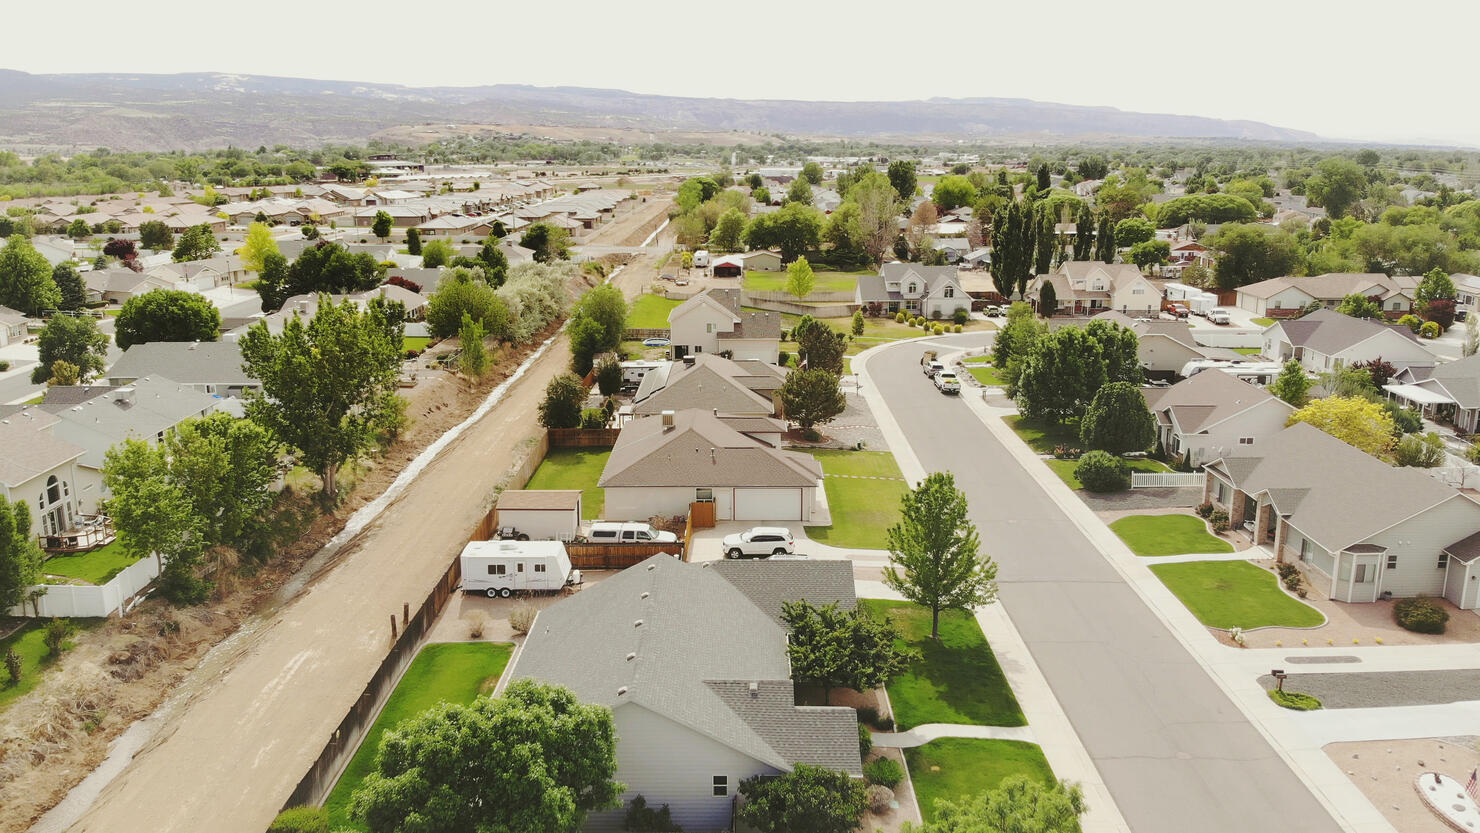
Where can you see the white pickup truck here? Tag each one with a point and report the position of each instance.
(946, 381)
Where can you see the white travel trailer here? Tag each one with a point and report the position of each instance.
(701, 259)
(503, 568)
(1258, 373)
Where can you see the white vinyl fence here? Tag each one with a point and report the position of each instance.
(1165, 480)
(91, 600)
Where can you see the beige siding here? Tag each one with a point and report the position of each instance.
(1162, 354)
(1260, 422)
(1391, 347)
(1316, 557)
(667, 763)
(636, 503)
(1417, 542)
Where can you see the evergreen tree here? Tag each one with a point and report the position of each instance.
(1084, 233)
(1044, 181)
(69, 282)
(1105, 240)
(1045, 241)
(413, 241)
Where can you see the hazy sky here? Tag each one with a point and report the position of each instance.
(1354, 69)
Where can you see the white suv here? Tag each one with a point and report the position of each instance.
(760, 542)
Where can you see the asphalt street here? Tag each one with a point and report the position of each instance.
(1173, 750)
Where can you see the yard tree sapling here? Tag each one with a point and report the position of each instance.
(413, 241)
(1292, 385)
(800, 278)
(834, 648)
(258, 244)
(933, 552)
(1118, 420)
(809, 799)
(534, 760)
(328, 384)
(811, 397)
(819, 345)
(382, 224)
(167, 315)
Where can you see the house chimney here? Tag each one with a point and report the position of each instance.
(667, 420)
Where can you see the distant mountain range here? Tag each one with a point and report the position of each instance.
(192, 111)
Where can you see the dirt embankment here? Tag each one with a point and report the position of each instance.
(634, 228)
(122, 671)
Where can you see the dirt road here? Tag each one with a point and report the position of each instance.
(228, 760)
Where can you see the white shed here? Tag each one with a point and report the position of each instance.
(541, 514)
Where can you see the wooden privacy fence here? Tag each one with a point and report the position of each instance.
(316, 784)
(640, 333)
(701, 514)
(617, 556)
(1165, 480)
(581, 438)
(750, 297)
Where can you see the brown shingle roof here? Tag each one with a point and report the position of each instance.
(700, 450)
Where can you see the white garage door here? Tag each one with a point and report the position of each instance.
(768, 504)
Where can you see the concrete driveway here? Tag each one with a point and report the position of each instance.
(707, 544)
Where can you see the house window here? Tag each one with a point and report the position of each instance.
(698, 348)
(704, 495)
(721, 785)
(1304, 549)
(1397, 305)
(709, 327)
(950, 292)
(1443, 560)
(521, 566)
(1138, 291)
(496, 569)
(1392, 561)
(913, 289)
(1245, 440)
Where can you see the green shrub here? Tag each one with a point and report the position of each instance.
(301, 820)
(1219, 520)
(865, 740)
(13, 666)
(958, 328)
(869, 715)
(1204, 509)
(58, 631)
(4, 365)
(857, 326)
(1101, 471)
(1430, 329)
(885, 724)
(885, 771)
(961, 316)
(1411, 321)
(783, 359)
(1420, 615)
(644, 819)
(1295, 700)
(899, 318)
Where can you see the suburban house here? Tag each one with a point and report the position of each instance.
(116, 284)
(145, 410)
(12, 326)
(1165, 347)
(213, 367)
(695, 669)
(1326, 340)
(1451, 392)
(1360, 529)
(712, 383)
(40, 469)
(662, 464)
(1210, 415)
(930, 291)
(713, 322)
(1087, 287)
(1466, 291)
(1279, 297)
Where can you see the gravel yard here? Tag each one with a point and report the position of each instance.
(1384, 771)
(1377, 689)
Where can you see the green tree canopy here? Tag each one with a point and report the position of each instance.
(1019, 804)
(154, 516)
(561, 407)
(952, 192)
(799, 192)
(1061, 375)
(726, 234)
(167, 315)
(834, 648)
(549, 243)
(811, 397)
(809, 799)
(1337, 185)
(156, 235)
(795, 229)
(413, 241)
(435, 253)
(819, 345)
(196, 243)
(328, 385)
(1133, 230)
(878, 213)
(902, 177)
(534, 760)
(225, 467)
(324, 267)
(1292, 385)
(1354, 421)
(1150, 253)
(933, 551)
(1252, 253)
(71, 339)
(812, 172)
(1208, 208)
(800, 278)
(1435, 286)
(382, 224)
(1360, 306)
(1118, 420)
(69, 283)
(20, 557)
(258, 244)
(26, 282)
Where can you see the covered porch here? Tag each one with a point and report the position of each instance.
(1435, 405)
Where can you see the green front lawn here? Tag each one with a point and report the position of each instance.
(1263, 322)
(956, 769)
(957, 680)
(1168, 535)
(29, 644)
(452, 672)
(986, 374)
(822, 281)
(1235, 594)
(1248, 351)
(861, 509)
(96, 567)
(1042, 436)
(650, 312)
(574, 468)
(1065, 469)
(415, 342)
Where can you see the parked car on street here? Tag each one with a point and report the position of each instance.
(946, 382)
(759, 542)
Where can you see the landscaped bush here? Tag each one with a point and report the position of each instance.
(878, 797)
(301, 820)
(885, 771)
(869, 715)
(644, 819)
(4, 365)
(885, 724)
(783, 359)
(1420, 615)
(961, 316)
(1430, 329)
(1295, 700)
(477, 620)
(58, 631)
(865, 740)
(958, 328)
(1204, 509)
(521, 617)
(1411, 321)
(899, 318)
(1101, 471)
(1219, 520)
(1290, 576)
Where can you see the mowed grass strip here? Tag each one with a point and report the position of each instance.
(450, 672)
(650, 312)
(822, 281)
(575, 468)
(958, 679)
(1168, 535)
(862, 509)
(956, 769)
(986, 374)
(1235, 594)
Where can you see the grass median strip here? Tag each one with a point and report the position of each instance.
(1168, 535)
(450, 672)
(956, 769)
(957, 680)
(1235, 594)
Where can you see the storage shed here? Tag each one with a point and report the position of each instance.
(542, 514)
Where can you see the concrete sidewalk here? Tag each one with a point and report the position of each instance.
(921, 735)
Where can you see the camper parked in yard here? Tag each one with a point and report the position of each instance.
(503, 568)
(701, 259)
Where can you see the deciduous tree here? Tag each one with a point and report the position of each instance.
(26, 284)
(1061, 375)
(809, 799)
(811, 397)
(534, 760)
(258, 244)
(1118, 420)
(549, 243)
(1354, 421)
(1251, 253)
(795, 229)
(834, 648)
(154, 234)
(1150, 253)
(1359, 306)
(1337, 185)
(154, 516)
(382, 224)
(1016, 341)
(902, 177)
(812, 172)
(726, 234)
(69, 283)
(72, 339)
(329, 384)
(799, 192)
(196, 243)
(799, 278)
(473, 360)
(1133, 230)
(167, 315)
(20, 558)
(225, 467)
(561, 407)
(878, 213)
(952, 192)
(1019, 804)
(933, 557)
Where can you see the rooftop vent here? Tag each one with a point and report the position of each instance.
(645, 594)
(632, 656)
(637, 624)
(667, 419)
(621, 691)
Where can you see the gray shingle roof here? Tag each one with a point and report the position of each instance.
(1220, 395)
(189, 363)
(539, 498)
(700, 450)
(769, 583)
(1330, 332)
(712, 382)
(29, 447)
(681, 641)
(1461, 379)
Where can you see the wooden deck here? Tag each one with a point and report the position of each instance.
(94, 532)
